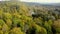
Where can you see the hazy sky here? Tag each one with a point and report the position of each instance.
(43, 1)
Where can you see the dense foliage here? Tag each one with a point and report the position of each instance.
(18, 18)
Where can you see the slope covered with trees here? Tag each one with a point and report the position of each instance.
(19, 18)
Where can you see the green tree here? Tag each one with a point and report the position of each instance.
(36, 29)
(48, 28)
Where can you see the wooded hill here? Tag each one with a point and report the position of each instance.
(21, 18)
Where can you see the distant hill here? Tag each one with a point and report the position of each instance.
(41, 4)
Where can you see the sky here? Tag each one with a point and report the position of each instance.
(42, 1)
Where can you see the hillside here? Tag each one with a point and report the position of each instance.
(28, 18)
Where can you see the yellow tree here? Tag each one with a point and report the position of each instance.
(16, 31)
(5, 28)
(8, 22)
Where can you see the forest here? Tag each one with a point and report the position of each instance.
(22, 18)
